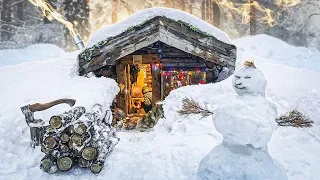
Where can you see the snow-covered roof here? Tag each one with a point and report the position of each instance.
(175, 28)
(143, 15)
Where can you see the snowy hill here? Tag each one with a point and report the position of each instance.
(279, 52)
(175, 147)
(36, 52)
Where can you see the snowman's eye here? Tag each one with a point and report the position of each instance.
(238, 77)
(247, 77)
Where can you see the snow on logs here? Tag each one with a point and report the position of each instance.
(76, 137)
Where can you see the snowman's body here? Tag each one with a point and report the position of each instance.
(246, 123)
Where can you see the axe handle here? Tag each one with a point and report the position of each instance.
(43, 106)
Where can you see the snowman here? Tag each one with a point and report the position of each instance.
(246, 123)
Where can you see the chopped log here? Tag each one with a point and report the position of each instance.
(65, 119)
(89, 153)
(55, 122)
(70, 129)
(77, 151)
(87, 119)
(77, 139)
(70, 145)
(48, 164)
(86, 140)
(83, 163)
(80, 128)
(96, 167)
(50, 142)
(64, 148)
(64, 138)
(44, 149)
(40, 107)
(65, 163)
(104, 141)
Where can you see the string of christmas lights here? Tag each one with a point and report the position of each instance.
(196, 72)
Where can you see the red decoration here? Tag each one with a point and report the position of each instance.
(201, 82)
(137, 104)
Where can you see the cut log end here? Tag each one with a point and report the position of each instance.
(64, 138)
(50, 142)
(55, 122)
(64, 163)
(64, 148)
(89, 153)
(80, 129)
(83, 163)
(77, 139)
(48, 164)
(96, 167)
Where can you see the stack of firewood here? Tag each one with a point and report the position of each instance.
(77, 138)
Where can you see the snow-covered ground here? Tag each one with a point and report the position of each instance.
(175, 147)
(298, 57)
(37, 52)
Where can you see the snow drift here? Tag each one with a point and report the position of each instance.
(175, 147)
(298, 57)
(36, 52)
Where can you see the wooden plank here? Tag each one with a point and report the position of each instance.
(128, 88)
(162, 88)
(120, 69)
(146, 59)
(156, 86)
(186, 65)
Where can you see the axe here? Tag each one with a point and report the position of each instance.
(37, 127)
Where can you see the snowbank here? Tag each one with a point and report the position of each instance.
(36, 52)
(175, 147)
(279, 52)
(289, 88)
(33, 82)
(143, 15)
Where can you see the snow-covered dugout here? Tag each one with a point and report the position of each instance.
(160, 49)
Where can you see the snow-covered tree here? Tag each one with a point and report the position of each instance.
(77, 12)
(26, 26)
(299, 24)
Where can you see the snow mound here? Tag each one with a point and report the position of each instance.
(289, 88)
(143, 15)
(226, 162)
(41, 82)
(36, 52)
(174, 149)
(279, 52)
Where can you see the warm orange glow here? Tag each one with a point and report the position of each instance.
(244, 9)
(49, 12)
(287, 3)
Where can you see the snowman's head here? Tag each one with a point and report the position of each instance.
(249, 80)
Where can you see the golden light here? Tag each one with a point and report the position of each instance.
(287, 3)
(49, 12)
(244, 9)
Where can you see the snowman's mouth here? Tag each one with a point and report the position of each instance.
(239, 87)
